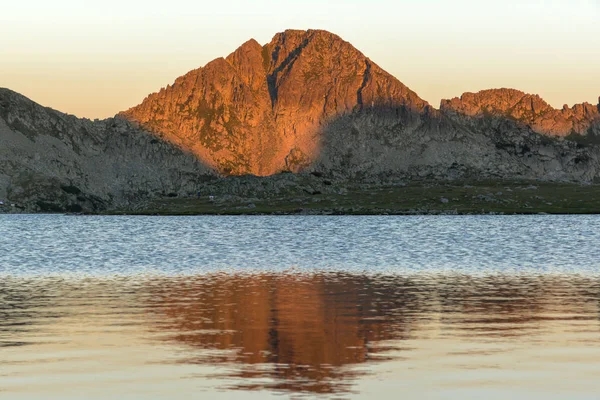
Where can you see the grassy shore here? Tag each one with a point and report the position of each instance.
(414, 198)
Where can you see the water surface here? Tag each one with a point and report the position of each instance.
(341, 307)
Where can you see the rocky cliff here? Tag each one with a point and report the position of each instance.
(307, 101)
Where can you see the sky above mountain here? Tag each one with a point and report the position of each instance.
(94, 60)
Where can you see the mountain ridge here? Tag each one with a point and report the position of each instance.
(529, 108)
(306, 102)
(51, 161)
(263, 109)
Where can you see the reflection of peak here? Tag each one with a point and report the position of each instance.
(262, 317)
(305, 333)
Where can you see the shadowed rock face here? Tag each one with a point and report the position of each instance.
(50, 161)
(262, 109)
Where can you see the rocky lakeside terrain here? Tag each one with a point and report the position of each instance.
(303, 117)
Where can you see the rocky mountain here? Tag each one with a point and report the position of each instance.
(306, 102)
(50, 161)
(530, 110)
(262, 109)
(310, 101)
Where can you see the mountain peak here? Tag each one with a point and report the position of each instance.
(264, 109)
(294, 34)
(250, 46)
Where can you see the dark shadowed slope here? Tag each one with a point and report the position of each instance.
(50, 161)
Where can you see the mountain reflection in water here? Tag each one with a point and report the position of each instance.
(301, 332)
(326, 333)
(307, 328)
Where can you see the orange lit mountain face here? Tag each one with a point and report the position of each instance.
(266, 109)
(262, 109)
(532, 110)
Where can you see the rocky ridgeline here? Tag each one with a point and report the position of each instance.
(52, 162)
(530, 110)
(305, 102)
(310, 101)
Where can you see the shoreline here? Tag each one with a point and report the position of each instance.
(417, 198)
(310, 195)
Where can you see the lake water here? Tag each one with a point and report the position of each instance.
(441, 307)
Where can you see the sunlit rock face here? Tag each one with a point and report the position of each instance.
(263, 109)
(309, 101)
(529, 109)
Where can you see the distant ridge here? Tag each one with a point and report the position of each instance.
(530, 109)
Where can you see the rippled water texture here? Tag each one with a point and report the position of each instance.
(342, 307)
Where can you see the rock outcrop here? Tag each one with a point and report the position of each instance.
(528, 109)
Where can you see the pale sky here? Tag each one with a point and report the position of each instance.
(94, 59)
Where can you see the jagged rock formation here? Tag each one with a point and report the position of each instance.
(262, 109)
(310, 101)
(51, 161)
(307, 101)
(529, 109)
